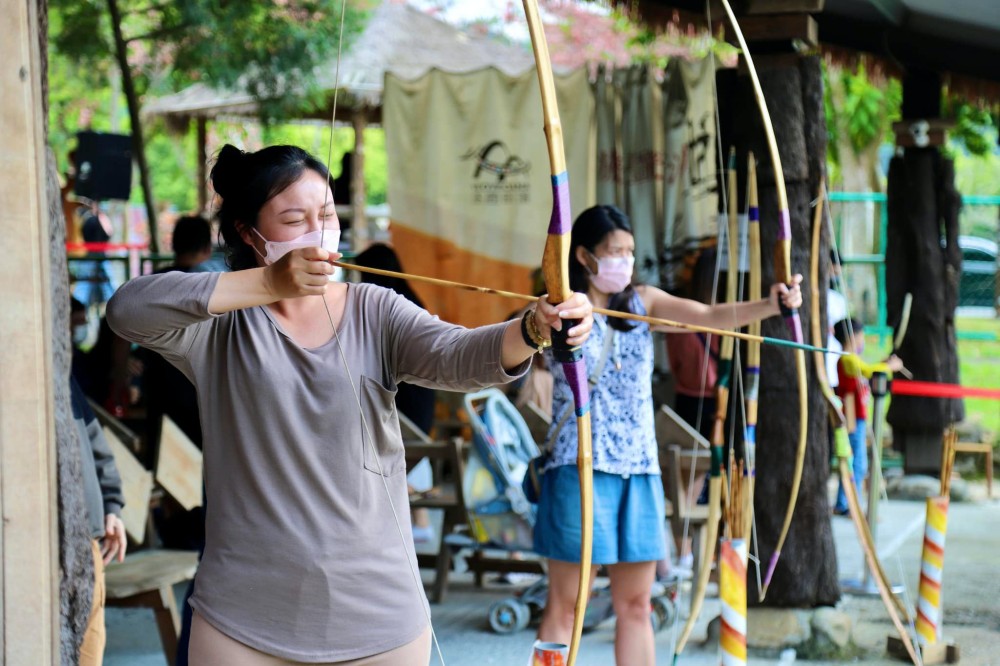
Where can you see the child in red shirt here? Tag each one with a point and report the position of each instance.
(853, 375)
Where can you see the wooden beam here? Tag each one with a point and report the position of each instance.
(921, 133)
(29, 544)
(664, 8)
(781, 28)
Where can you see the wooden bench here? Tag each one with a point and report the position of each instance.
(447, 497)
(683, 449)
(986, 448)
(146, 579)
(686, 517)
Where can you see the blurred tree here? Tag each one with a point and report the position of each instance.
(270, 49)
(860, 109)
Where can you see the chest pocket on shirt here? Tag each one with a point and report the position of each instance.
(380, 415)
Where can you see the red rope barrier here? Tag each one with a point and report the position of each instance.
(937, 390)
(105, 247)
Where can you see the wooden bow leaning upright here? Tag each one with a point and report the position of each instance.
(783, 272)
(896, 609)
(723, 386)
(555, 268)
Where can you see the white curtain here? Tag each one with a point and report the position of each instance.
(656, 143)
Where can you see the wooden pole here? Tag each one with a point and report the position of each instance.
(28, 536)
(202, 156)
(359, 225)
(138, 144)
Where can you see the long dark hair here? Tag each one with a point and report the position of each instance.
(381, 256)
(247, 181)
(592, 226)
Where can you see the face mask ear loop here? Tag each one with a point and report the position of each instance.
(254, 246)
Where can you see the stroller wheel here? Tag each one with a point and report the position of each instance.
(509, 615)
(663, 614)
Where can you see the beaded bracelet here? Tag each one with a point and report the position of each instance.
(530, 334)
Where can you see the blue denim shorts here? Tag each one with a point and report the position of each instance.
(628, 517)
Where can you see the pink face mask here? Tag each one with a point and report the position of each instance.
(613, 274)
(274, 250)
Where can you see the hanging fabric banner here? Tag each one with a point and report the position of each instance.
(690, 196)
(469, 181)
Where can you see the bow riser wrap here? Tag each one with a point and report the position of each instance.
(751, 390)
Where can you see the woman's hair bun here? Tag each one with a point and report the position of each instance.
(229, 170)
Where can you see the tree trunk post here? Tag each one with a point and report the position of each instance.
(806, 575)
(923, 259)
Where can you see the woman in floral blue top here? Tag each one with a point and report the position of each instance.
(628, 492)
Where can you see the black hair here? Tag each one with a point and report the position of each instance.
(702, 284)
(247, 181)
(592, 226)
(844, 328)
(192, 233)
(381, 256)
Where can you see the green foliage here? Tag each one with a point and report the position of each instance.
(866, 113)
(975, 126)
(271, 49)
(316, 139)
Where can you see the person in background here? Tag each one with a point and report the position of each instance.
(836, 311)
(629, 535)
(412, 400)
(168, 392)
(191, 242)
(102, 486)
(853, 391)
(102, 492)
(693, 359)
(342, 183)
(94, 285)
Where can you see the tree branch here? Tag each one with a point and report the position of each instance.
(157, 7)
(155, 34)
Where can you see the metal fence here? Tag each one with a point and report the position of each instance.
(862, 246)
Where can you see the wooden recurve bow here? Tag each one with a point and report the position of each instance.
(555, 268)
(783, 272)
(723, 383)
(893, 605)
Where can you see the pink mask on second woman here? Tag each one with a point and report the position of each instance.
(274, 250)
(613, 274)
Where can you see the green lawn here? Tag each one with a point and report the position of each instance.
(979, 365)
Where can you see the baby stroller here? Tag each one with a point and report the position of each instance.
(502, 518)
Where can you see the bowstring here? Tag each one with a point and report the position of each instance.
(414, 572)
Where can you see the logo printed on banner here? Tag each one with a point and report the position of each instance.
(495, 158)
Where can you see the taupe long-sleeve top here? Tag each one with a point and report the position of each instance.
(302, 558)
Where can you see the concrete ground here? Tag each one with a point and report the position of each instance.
(971, 591)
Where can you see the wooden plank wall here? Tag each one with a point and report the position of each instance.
(28, 536)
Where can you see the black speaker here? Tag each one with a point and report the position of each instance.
(103, 165)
